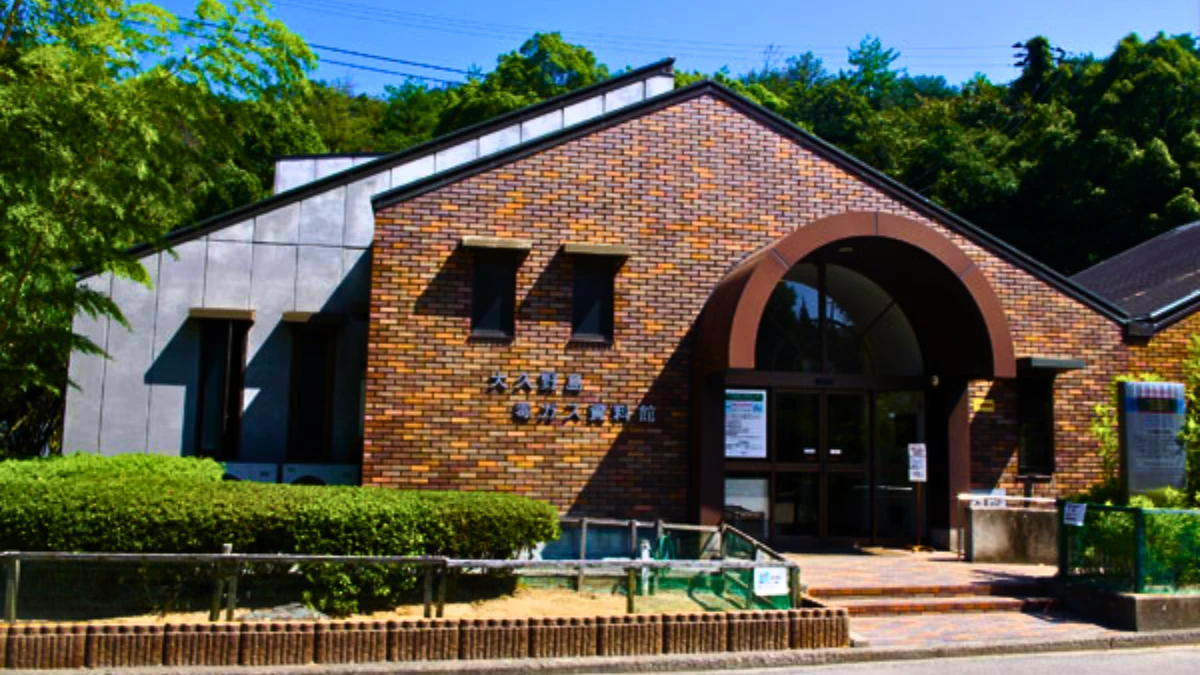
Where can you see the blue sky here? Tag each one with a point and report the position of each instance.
(953, 39)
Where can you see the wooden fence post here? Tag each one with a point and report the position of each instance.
(12, 584)
(214, 612)
(428, 592)
(630, 590)
(443, 581)
(583, 531)
(794, 587)
(231, 589)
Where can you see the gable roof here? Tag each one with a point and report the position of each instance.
(1155, 280)
(852, 165)
(390, 160)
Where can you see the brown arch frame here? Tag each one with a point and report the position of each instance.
(730, 328)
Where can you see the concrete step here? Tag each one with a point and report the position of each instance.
(895, 606)
(1009, 589)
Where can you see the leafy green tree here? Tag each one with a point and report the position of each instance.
(117, 128)
(544, 66)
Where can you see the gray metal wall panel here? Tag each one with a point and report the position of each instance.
(227, 275)
(292, 173)
(174, 370)
(243, 231)
(327, 166)
(318, 275)
(268, 355)
(281, 226)
(360, 217)
(322, 218)
(125, 409)
(81, 420)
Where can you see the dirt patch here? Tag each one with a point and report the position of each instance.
(521, 603)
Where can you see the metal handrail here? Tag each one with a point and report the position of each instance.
(230, 566)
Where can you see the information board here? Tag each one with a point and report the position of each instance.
(1152, 416)
(746, 423)
(917, 465)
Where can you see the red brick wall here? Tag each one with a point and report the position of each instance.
(692, 189)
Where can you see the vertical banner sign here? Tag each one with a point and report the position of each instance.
(1151, 419)
(746, 423)
(917, 465)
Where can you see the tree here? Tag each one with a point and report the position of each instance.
(544, 66)
(120, 123)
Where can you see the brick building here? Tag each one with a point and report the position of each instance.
(630, 300)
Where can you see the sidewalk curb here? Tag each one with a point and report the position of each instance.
(681, 662)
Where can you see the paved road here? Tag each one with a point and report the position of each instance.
(1162, 661)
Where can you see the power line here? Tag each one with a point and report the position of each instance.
(351, 52)
(498, 28)
(389, 59)
(388, 72)
(632, 44)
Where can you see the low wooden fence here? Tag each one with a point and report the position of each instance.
(70, 645)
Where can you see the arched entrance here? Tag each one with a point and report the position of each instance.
(857, 334)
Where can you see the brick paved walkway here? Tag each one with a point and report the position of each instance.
(931, 630)
(900, 569)
(903, 575)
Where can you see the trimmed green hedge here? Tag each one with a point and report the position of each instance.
(99, 467)
(138, 503)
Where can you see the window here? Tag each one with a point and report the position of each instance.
(1035, 413)
(494, 295)
(592, 299)
(310, 416)
(222, 370)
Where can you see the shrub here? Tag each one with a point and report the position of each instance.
(136, 503)
(98, 467)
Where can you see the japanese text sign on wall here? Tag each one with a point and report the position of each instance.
(549, 411)
(1152, 416)
(746, 423)
(918, 466)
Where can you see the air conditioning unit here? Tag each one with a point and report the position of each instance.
(320, 474)
(257, 472)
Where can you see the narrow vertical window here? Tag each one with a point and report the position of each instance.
(1035, 415)
(592, 299)
(310, 416)
(494, 295)
(222, 370)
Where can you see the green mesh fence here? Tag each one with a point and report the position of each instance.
(1132, 549)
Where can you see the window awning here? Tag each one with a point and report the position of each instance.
(226, 313)
(326, 318)
(610, 250)
(497, 244)
(1048, 366)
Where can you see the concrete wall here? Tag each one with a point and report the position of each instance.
(309, 255)
(1012, 536)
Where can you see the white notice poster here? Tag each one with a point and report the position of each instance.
(746, 423)
(917, 466)
(770, 581)
(1074, 514)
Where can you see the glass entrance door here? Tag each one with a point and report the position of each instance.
(822, 443)
(836, 469)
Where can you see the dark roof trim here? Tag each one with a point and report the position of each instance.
(777, 123)
(332, 155)
(200, 229)
(1147, 325)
